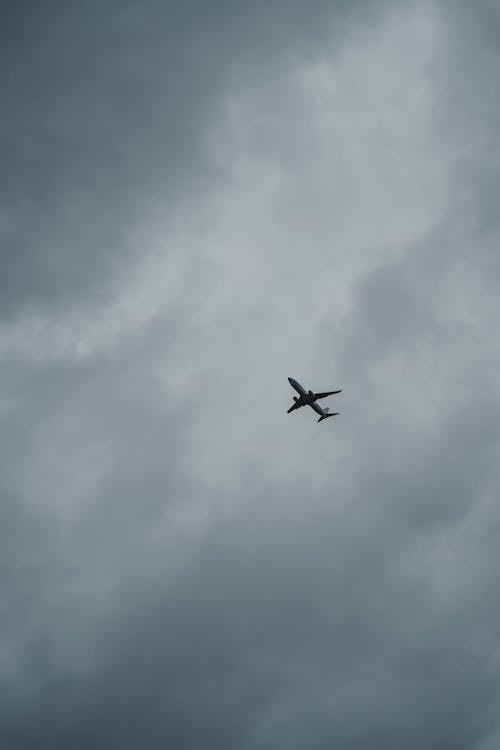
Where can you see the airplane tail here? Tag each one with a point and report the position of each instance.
(328, 414)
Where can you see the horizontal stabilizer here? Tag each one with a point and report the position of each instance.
(331, 414)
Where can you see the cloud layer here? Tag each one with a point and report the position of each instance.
(199, 203)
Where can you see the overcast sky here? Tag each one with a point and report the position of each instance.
(200, 199)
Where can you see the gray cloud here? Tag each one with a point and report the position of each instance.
(105, 109)
(254, 193)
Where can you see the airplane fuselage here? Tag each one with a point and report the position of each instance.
(305, 397)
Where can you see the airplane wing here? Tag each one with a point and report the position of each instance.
(294, 406)
(327, 393)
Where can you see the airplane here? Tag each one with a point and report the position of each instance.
(308, 398)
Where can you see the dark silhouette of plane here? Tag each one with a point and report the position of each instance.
(308, 398)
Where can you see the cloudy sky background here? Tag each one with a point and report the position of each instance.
(199, 200)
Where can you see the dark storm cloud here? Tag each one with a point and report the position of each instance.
(330, 636)
(95, 99)
(60, 570)
(103, 112)
(181, 567)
